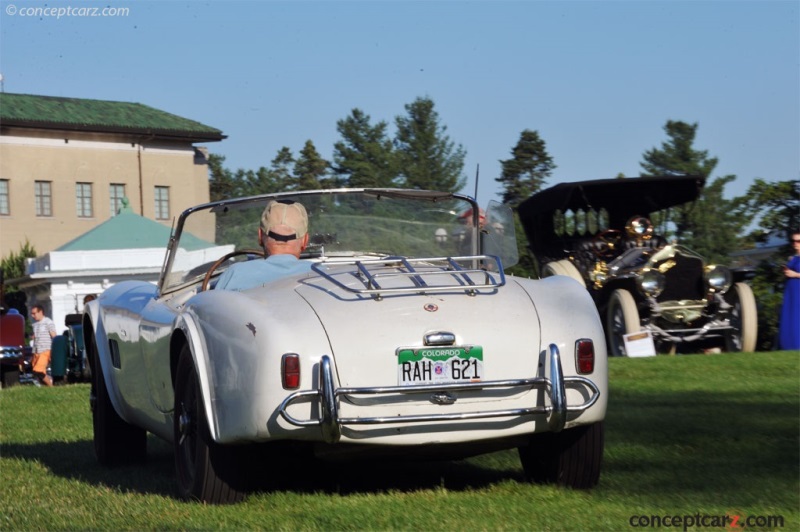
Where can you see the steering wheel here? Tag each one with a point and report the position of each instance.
(605, 243)
(210, 272)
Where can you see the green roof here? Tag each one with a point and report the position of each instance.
(128, 230)
(78, 114)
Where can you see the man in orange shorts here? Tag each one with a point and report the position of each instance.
(44, 330)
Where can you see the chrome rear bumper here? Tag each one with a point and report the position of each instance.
(331, 423)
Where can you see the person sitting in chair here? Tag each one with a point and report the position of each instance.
(283, 235)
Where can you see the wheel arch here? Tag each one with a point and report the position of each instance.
(187, 333)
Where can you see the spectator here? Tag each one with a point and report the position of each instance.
(44, 330)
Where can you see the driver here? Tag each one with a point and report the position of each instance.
(284, 235)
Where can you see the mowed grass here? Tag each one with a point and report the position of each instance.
(686, 436)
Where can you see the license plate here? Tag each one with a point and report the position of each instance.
(439, 365)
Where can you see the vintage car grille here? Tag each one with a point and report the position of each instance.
(684, 278)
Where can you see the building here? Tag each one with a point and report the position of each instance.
(67, 163)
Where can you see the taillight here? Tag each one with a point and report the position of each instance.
(290, 371)
(584, 356)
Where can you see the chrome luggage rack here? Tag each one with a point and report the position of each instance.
(490, 268)
(331, 423)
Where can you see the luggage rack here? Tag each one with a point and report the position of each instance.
(491, 269)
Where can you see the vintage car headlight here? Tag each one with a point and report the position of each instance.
(651, 283)
(639, 227)
(718, 279)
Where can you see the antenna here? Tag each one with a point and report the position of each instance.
(477, 176)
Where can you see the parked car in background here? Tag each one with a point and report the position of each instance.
(601, 234)
(405, 338)
(12, 347)
(68, 360)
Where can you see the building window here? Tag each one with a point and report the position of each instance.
(162, 203)
(44, 198)
(116, 193)
(83, 200)
(4, 203)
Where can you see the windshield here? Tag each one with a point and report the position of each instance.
(341, 224)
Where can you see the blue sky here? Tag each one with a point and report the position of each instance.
(597, 79)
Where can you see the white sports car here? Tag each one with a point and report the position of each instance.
(404, 337)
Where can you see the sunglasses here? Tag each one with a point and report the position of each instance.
(795, 240)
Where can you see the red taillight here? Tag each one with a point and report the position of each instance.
(584, 356)
(290, 371)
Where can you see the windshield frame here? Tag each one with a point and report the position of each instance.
(227, 205)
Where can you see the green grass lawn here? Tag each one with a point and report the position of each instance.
(686, 436)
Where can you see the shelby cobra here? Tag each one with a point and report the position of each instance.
(404, 336)
(600, 234)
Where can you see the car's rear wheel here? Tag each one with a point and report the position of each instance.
(570, 458)
(744, 319)
(206, 471)
(622, 317)
(116, 442)
(563, 267)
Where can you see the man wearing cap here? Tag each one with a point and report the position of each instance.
(284, 235)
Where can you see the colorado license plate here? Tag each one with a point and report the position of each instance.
(439, 365)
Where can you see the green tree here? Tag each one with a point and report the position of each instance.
(427, 158)
(364, 157)
(222, 183)
(13, 267)
(310, 168)
(775, 208)
(526, 171)
(677, 156)
(706, 225)
(713, 226)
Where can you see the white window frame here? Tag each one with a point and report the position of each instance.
(83, 200)
(43, 198)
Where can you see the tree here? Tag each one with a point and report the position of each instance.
(364, 157)
(222, 183)
(281, 169)
(705, 225)
(526, 172)
(776, 208)
(310, 168)
(427, 158)
(677, 156)
(13, 267)
(712, 226)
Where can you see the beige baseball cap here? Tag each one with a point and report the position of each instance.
(285, 215)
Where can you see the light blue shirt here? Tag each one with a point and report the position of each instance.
(244, 275)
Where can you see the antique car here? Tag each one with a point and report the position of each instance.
(68, 360)
(404, 337)
(600, 233)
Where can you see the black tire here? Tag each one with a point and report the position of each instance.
(622, 317)
(116, 442)
(744, 319)
(571, 458)
(10, 377)
(205, 471)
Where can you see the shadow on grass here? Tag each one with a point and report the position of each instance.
(156, 476)
(741, 448)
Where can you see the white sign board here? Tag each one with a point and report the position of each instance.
(640, 344)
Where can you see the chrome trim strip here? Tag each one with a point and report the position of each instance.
(555, 387)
